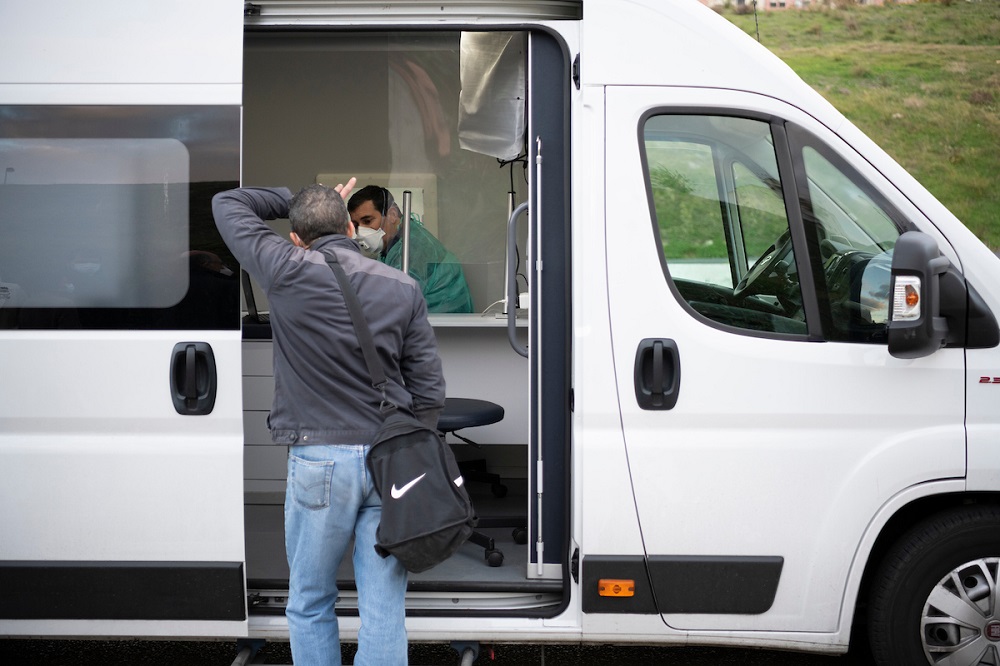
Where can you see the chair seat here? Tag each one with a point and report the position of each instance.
(461, 413)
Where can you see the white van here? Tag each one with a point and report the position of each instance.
(750, 392)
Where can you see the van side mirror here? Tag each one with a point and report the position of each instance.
(916, 327)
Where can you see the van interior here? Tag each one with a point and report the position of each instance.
(442, 119)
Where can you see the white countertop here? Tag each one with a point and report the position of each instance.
(488, 320)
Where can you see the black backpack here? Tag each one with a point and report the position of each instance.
(426, 511)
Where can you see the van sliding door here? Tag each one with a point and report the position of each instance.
(549, 346)
(120, 391)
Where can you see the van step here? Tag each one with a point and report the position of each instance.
(273, 601)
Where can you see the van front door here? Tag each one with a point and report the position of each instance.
(764, 419)
(121, 506)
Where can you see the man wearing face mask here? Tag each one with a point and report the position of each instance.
(377, 219)
(326, 411)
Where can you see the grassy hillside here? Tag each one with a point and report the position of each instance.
(923, 80)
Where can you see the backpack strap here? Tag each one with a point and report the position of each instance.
(361, 329)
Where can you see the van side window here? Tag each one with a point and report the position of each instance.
(105, 214)
(721, 219)
(852, 231)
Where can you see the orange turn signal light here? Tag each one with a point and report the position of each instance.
(614, 587)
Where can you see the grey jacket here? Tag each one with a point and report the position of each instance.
(322, 388)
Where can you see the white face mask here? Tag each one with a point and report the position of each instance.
(370, 241)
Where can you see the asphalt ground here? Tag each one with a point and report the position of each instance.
(187, 653)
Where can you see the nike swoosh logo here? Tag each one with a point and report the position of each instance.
(399, 492)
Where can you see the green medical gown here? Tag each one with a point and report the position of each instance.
(435, 268)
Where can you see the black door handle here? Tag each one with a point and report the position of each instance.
(193, 378)
(657, 374)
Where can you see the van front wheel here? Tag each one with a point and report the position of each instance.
(935, 598)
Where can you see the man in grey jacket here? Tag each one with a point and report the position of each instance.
(325, 408)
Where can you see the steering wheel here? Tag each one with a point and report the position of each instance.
(764, 265)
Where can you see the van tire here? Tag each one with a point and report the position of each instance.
(961, 544)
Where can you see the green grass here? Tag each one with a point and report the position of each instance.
(922, 80)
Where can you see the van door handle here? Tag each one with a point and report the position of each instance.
(193, 378)
(657, 374)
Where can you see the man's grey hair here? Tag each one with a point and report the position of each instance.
(317, 211)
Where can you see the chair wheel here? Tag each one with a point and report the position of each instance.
(520, 535)
(499, 490)
(494, 558)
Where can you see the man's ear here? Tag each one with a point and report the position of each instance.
(395, 218)
(352, 231)
(296, 241)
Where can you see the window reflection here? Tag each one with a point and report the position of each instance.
(722, 223)
(856, 233)
(96, 222)
(720, 210)
(100, 216)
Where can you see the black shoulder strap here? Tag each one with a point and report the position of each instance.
(364, 334)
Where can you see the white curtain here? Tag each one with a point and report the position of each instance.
(491, 117)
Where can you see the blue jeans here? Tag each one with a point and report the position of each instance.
(331, 498)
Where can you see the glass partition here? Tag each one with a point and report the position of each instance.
(441, 115)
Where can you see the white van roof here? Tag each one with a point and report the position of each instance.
(623, 42)
(684, 43)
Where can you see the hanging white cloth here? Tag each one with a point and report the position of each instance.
(491, 117)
